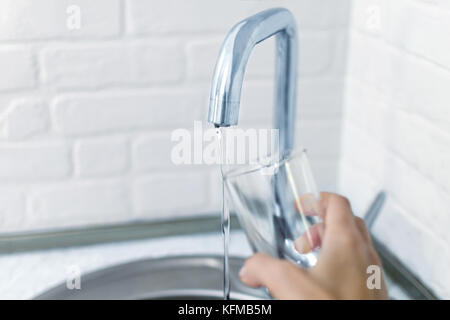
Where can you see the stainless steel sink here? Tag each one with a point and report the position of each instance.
(181, 277)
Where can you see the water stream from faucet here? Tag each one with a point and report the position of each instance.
(225, 218)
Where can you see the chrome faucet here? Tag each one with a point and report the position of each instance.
(226, 94)
(230, 68)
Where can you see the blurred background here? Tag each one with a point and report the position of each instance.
(90, 92)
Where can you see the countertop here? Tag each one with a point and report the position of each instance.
(25, 275)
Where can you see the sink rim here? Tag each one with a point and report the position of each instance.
(139, 279)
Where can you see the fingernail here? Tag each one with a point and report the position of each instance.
(303, 246)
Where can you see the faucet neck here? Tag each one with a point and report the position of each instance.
(229, 73)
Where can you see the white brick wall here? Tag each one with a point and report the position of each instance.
(113, 65)
(17, 68)
(24, 118)
(396, 133)
(31, 161)
(86, 114)
(71, 203)
(101, 157)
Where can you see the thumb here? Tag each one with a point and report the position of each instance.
(282, 278)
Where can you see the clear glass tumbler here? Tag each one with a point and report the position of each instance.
(277, 204)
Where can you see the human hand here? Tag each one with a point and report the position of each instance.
(341, 270)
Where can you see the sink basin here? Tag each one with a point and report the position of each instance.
(181, 277)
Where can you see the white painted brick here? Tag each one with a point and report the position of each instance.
(117, 64)
(316, 52)
(28, 19)
(369, 16)
(186, 16)
(316, 98)
(358, 186)
(364, 67)
(94, 113)
(24, 118)
(407, 81)
(422, 198)
(420, 30)
(12, 209)
(201, 58)
(359, 99)
(319, 98)
(426, 91)
(325, 14)
(319, 137)
(145, 17)
(418, 248)
(17, 69)
(169, 195)
(153, 151)
(34, 161)
(101, 157)
(79, 203)
(418, 142)
(443, 4)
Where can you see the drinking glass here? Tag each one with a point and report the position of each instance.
(277, 204)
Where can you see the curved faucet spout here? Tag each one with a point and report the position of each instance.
(230, 68)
